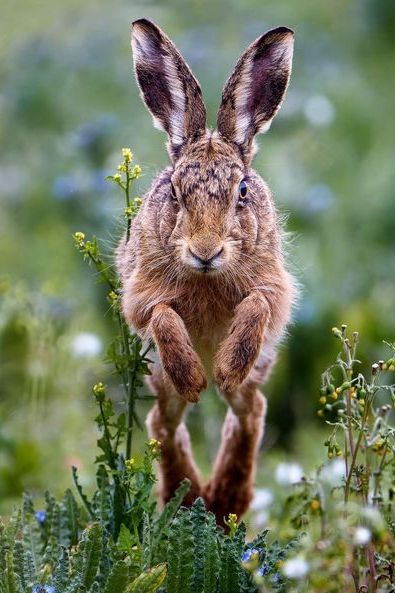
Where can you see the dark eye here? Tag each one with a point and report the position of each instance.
(173, 192)
(243, 191)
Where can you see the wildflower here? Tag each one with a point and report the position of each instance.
(86, 345)
(362, 536)
(40, 516)
(136, 171)
(117, 177)
(315, 505)
(231, 522)
(43, 589)
(127, 154)
(79, 238)
(261, 571)
(128, 211)
(249, 555)
(113, 295)
(262, 499)
(289, 473)
(123, 168)
(130, 463)
(98, 388)
(336, 332)
(295, 568)
(334, 472)
(154, 446)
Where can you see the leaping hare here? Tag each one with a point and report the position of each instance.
(203, 271)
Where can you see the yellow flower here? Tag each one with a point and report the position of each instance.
(122, 168)
(154, 446)
(99, 388)
(127, 154)
(129, 463)
(117, 177)
(136, 171)
(315, 505)
(113, 295)
(80, 238)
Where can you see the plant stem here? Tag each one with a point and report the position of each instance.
(127, 197)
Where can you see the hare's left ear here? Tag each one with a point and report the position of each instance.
(254, 92)
(168, 87)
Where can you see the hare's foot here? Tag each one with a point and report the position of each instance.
(240, 349)
(178, 357)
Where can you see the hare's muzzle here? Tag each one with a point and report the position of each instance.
(205, 264)
(204, 260)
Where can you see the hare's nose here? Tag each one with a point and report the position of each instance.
(206, 262)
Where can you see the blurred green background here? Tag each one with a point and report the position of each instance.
(68, 103)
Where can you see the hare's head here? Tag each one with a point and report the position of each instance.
(217, 205)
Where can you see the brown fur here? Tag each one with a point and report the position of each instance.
(223, 325)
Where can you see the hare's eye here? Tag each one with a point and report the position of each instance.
(243, 189)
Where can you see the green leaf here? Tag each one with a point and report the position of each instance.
(71, 515)
(211, 556)
(149, 581)
(161, 524)
(198, 516)
(88, 555)
(180, 553)
(118, 578)
(81, 492)
(61, 571)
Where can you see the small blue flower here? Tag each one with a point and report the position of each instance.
(248, 554)
(275, 579)
(262, 570)
(40, 516)
(43, 589)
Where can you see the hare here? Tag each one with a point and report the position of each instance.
(203, 272)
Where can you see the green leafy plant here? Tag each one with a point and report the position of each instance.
(345, 511)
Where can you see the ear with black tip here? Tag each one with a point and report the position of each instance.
(255, 90)
(168, 87)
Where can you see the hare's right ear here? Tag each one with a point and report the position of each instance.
(168, 87)
(254, 92)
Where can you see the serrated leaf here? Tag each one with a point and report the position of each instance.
(149, 581)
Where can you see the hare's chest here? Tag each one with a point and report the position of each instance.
(207, 322)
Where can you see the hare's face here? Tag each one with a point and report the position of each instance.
(214, 224)
(220, 209)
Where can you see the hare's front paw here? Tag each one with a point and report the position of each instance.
(231, 368)
(186, 373)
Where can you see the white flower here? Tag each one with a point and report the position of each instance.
(319, 110)
(289, 473)
(261, 519)
(295, 568)
(334, 472)
(362, 536)
(262, 499)
(86, 345)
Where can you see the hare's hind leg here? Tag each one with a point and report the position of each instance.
(230, 489)
(165, 423)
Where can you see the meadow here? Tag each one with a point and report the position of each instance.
(68, 103)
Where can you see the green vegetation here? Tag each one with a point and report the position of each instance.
(67, 102)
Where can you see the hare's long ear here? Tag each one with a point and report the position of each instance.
(168, 87)
(255, 90)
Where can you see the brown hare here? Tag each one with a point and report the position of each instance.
(203, 271)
